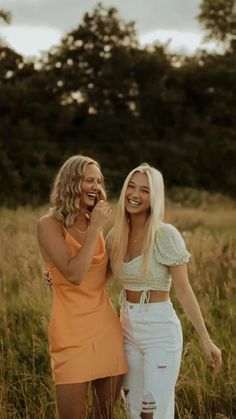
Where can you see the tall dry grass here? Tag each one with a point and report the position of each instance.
(26, 389)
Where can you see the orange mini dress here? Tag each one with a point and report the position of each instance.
(85, 334)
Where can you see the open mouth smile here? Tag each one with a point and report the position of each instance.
(91, 195)
(134, 203)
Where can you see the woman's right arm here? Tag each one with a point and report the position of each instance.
(52, 243)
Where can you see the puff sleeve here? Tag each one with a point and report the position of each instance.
(170, 249)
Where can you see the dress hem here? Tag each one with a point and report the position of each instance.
(90, 379)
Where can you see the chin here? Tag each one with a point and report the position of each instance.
(132, 210)
(90, 205)
(86, 204)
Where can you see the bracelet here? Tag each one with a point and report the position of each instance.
(207, 341)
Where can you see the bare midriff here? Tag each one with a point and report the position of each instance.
(155, 296)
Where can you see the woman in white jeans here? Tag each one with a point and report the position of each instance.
(146, 255)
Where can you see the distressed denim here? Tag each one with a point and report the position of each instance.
(153, 344)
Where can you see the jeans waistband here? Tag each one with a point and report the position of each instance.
(145, 297)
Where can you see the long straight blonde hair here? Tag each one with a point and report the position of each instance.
(118, 236)
(66, 191)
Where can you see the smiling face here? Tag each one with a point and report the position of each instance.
(91, 186)
(137, 196)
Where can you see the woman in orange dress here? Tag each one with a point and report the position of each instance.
(85, 336)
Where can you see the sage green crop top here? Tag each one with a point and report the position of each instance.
(169, 250)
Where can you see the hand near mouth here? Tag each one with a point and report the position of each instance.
(99, 215)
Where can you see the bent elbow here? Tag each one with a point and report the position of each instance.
(74, 279)
(74, 273)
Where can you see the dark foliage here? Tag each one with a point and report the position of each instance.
(100, 94)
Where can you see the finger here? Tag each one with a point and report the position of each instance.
(218, 364)
(209, 358)
(100, 204)
(106, 206)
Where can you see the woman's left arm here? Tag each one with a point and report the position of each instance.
(189, 303)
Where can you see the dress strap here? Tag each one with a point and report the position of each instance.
(64, 229)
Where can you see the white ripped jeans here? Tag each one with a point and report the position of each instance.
(153, 344)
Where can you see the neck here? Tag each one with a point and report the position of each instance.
(81, 221)
(82, 215)
(138, 222)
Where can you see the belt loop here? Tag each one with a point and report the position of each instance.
(122, 298)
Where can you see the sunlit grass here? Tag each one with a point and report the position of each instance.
(26, 389)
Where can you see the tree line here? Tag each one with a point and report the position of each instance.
(99, 93)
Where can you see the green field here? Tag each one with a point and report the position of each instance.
(26, 389)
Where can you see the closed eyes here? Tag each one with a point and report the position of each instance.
(131, 186)
(91, 180)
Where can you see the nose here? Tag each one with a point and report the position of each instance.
(135, 193)
(95, 185)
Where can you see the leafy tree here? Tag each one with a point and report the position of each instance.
(99, 93)
(11, 63)
(5, 16)
(219, 19)
(13, 66)
(29, 140)
(93, 63)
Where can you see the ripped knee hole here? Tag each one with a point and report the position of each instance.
(149, 404)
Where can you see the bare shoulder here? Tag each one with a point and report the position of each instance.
(49, 223)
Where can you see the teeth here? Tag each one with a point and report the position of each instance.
(136, 203)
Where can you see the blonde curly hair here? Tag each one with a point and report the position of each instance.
(66, 191)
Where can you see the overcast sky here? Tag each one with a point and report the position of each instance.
(38, 24)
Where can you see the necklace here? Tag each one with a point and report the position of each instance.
(136, 238)
(80, 231)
